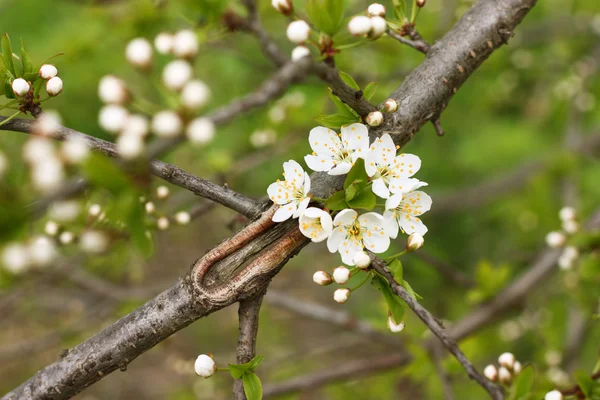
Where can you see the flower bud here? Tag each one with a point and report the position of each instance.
(379, 27)
(570, 226)
(93, 242)
(75, 150)
(54, 86)
(567, 214)
(162, 192)
(195, 94)
(341, 295)
(149, 207)
(112, 118)
(164, 43)
(390, 106)
(421, 3)
(491, 372)
(376, 10)
(504, 375)
(298, 31)
(183, 218)
(553, 395)
(166, 124)
(322, 278)
(360, 25)
(66, 237)
(185, 44)
(139, 53)
(130, 146)
(300, 52)
(20, 87)
(205, 366)
(136, 125)
(283, 6)
(392, 326)
(341, 275)
(65, 211)
(163, 223)
(47, 124)
(361, 259)
(506, 360)
(374, 118)
(51, 228)
(112, 90)
(15, 258)
(48, 71)
(176, 74)
(94, 210)
(37, 149)
(42, 251)
(517, 368)
(556, 239)
(200, 131)
(414, 242)
(47, 174)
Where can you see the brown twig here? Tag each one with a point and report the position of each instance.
(418, 44)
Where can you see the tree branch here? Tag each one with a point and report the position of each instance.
(419, 44)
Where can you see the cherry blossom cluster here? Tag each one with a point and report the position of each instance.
(507, 370)
(185, 95)
(559, 239)
(371, 26)
(48, 73)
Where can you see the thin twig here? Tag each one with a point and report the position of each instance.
(420, 45)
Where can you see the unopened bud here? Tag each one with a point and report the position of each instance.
(390, 106)
(300, 52)
(149, 207)
(200, 131)
(51, 228)
(506, 360)
(341, 274)
(341, 295)
(504, 375)
(113, 118)
(360, 25)
(185, 44)
(414, 242)
(376, 10)
(130, 146)
(93, 241)
(570, 226)
(195, 94)
(164, 43)
(54, 86)
(322, 278)
(139, 53)
(283, 6)
(374, 118)
(556, 239)
(183, 218)
(176, 74)
(361, 259)
(553, 395)
(163, 223)
(298, 31)
(491, 372)
(112, 90)
(48, 71)
(421, 3)
(567, 214)
(162, 192)
(517, 368)
(379, 27)
(66, 237)
(166, 124)
(94, 210)
(20, 87)
(392, 326)
(205, 366)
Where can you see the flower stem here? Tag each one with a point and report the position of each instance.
(319, 199)
(413, 12)
(10, 103)
(391, 258)
(10, 118)
(223, 369)
(362, 283)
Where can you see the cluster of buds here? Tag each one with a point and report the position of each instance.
(341, 275)
(39, 251)
(372, 26)
(205, 366)
(508, 369)
(49, 73)
(375, 118)
(92, 241)
(558, 239)
(163, 222)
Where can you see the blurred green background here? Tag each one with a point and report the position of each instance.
(509, 121)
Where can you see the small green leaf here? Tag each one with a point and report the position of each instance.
(326, 15)
(394, 302)
(370, 90)
(255, 362)
(335, 121)
(252, 386)
(523, 384)
(349, 80)
(357, 173)
(7, 54)
(410, 290)
(27, 64)
(399, 9)
(18, 66)
(585, 382)
(364, 199)
(237, 371)
(351, 192)
(337, 201)
(342, 107)
(396, 269)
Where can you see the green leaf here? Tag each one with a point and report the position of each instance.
(335, 121)
(18, 66)
(356, 174)
(255, 362)
(237, 371)
(394, 302)
(342, 107)
(523, 384)
(27, 64)
(400, 9)
(8, 92)
(364, 199)
(585, 382)
(349, 80)
(396, 269)
(103, 172)
(7, 54)
(410, 290)
(370, 90)
(337, 201)
(252, 386)
(351, 191)
(326, 15)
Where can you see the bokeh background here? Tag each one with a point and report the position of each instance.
(497, 180)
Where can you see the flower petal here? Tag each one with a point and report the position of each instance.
(348, 249)
(293, 172)
(412, 225)
(345, 217)
(390, 224)
(371, 163)
(336, 238)
(355, 137)
(306, 183)
(383, 150)
(380, 189)
(341, 169)
(319, 163)
(279, 193)
(324, 141)
(378, 242)
(406, 165)
(393, 201)
(284, 212)
(419, 202)
(301, 207)
(405, 185)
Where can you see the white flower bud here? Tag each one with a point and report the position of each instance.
(37, 149)
(164, 43)
(205, 366)
(421, 3)
(75, 150)
(42, 251)
(283, 6)
(506, 360)
(414, 242)
(374, 118)
(66, 237)
(277, 114)
(176, 74)
(262, 138)
(360, 25)
(200, 131)
(48, 71)
(300, 52)
(361, 259)
(491, 372)
(568, 257)
(130, 146)
(322, 278)
(162, 223)
(553, 395)
(51, 228)
(392, 326)
(504, 375)
(571, 252)
(390, 106)
(166, 124)
(553, 358)
(376, 10)
(195, 94)
(183, 218)
(3, 164)
(185, 44)
(298, 31)
(47, 174)
(20, 87)
(65, 211)
(136, 125)
(162, 192)
(112, 90)
(341, 275)
(93, 241)
(139, 53)
(15, 258)
(112, 118)
(94, 210)
(379, 27)
(341, 295)
(567, 214)
(556, 239)
(570, 226)
(54, 86)
(149, 207)
(517, 368)
(47, 124)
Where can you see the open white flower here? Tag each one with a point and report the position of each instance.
(335, 154)
(391, 172)
(402, 211)
(353, 232)
(292, 194)
(316, 224)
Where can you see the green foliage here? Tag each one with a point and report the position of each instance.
(357, 189)
(326, 15)
(521, 388)
(489, 280)
(395, 304)
(337, 201)
(245, 372)
(349, 80)
(7, 55)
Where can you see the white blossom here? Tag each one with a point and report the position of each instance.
(176, 74)
(149, 207)
(47, 124)
(65, 211)
(130, 146)
(341, 295)
(322, 278)
(361, 259)
(42, 251)
(94, 210)
(394, 327)
(139, 53)
(112, 118)
(517, 368)
(376, 10)
(183, 218)
(48, 71)
(185, 44)
(504, 375)
(506, 360)
(556, 239)
(491, 372)
(374, 118)
(315, 224)
(277, 114)
(47, 174)
(390, 106)
(360, 25)
(402, 211)
(553, 395)
(341, 275)
(390, 172)
(54, 86)
(379, 27)
(136, 125)
(298, 31)
(568, 257)
(205, 366)
(200, 131)
(353, 232)
(37, 149)
(195, 94)
(51, 228)
(263, 137)
(112, 90)
(337, 154)
(166, 124)
(283, 6)
(20, 87)
(414, 242)
(292, 194)
(163, 42)
(66, 237)
(162, 192)
(163, 223)
(92, 241)
(567, 214)
(300, 52)
(570, 226)
(15, 257)
(75, 150)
